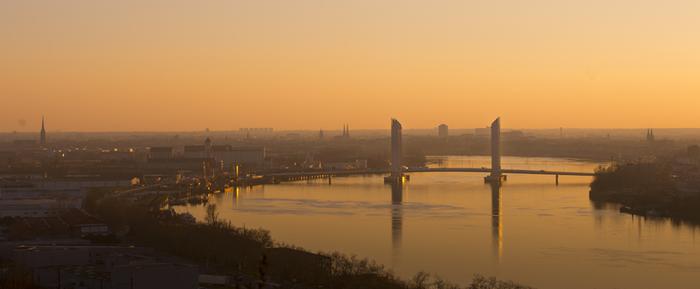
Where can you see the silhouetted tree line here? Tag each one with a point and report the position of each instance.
(645, 188)
(642, 177)
(633, 184)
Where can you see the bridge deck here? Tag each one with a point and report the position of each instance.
(427, 170)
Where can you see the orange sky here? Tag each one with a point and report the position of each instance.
(189, 65)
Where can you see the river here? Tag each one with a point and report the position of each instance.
(452, 224)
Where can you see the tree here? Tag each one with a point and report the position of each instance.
(421, 280)
(212, 217)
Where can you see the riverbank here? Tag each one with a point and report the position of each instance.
(646, 189)
(249, 256)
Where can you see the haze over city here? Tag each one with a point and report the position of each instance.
(373, 144)
(184, 65)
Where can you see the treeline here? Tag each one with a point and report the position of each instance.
(645, 189)
(639, 185)
(250, 254)
(640, 177)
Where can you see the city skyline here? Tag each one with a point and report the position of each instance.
(130, 66)
(379, 144)
(344, 131)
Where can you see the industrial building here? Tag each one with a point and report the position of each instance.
(101, 267)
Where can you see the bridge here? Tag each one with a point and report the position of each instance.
(324, 174)
(398, 173)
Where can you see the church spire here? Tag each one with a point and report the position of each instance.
(42, 135)
(650, 135)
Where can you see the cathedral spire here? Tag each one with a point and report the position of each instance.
(42, 135)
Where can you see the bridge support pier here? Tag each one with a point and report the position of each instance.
(397, 179)
(556, 179)
(495, 179)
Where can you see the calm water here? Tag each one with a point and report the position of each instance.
(454, 225)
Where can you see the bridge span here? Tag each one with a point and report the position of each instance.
(322, 174)
(505, 171)
(397, 173)
(423, 170)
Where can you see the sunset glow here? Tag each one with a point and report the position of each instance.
(190, 65)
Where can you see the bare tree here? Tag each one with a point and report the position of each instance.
(212, 217)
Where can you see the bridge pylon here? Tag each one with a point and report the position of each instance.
(496, 175)
(397, 175)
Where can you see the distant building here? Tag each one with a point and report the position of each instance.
(228, 156)
(513, 134)
(255, 131)
(6, 158)
(350, 165)
(443, 131)
(24, 143)
(207, 148)
(199, 151)
(61, 223)
(195, 152)
(694, 152)
(160, 153)
(346, 131)
(83, 224)
(510, 134)
(486, 131)
(36, 208)
(650, 135)
(117, 155)
(78, 183)
(95, 266)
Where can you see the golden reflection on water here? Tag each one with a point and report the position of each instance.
(396, 220)
(496, 221)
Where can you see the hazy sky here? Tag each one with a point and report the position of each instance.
(188, 65)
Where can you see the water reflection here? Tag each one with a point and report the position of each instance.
(236, 193)
(396, 220)
(449, 214)
(496, 221)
